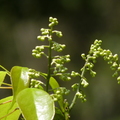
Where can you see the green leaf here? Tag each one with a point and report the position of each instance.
(2, 76)
(19, 79)
(36, 104)
(4, 108)
(54, 85)
(58, 114)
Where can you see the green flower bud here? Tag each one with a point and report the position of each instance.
(118, 82)
(83, 56)
(99, 49)
(39, 48)
(42, 29)
(34, 54)
(74, 74)
(51, 24)
(67, 59)
(88, 64)
(42, 38)
(38, 55)
(64, 69)
(58, 65)
(49, 38)
(34, 51)
(58, 92)
(59, 33)
(79, 95)
(93, 73)
(91, 65)
(84, 82)
(68, 78)
(55, 99)
(115, 57)
(45, 31)
(118, 68)
(37, 74)
(96, 41)
(75, 86)
(67, 56)
(118, 78)
(55, 19)
(50, 19)
(115, 74)
(63, 46)
(42, 47)
(114, 64)
(94, 58)
(110, 62)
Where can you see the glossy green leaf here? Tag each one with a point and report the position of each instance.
(36, 104)
(54, 85)
(4, 109)
(19, 79)
(2, 76)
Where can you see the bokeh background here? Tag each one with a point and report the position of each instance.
(81, 21)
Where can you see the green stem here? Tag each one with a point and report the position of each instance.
(78, 89)
(49, 62)
(83, 71)
(7, 84)
(73, 102)
(5, 70)
(5, 87)
(49, 66)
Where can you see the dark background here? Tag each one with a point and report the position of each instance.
(81, 21)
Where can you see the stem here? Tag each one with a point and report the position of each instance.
(49, 65)
(49, 61)
(7, 84)
(5, 70)
(73, 102)
(78, 89)
(83, 72)
(5, 87)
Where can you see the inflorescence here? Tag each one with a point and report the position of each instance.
(56, 63)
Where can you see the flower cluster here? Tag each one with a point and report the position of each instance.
(79, 93)
(81, 96)
(58, 47)
(95, 52)
(47, 34)
(59, 92)
(33, 73)
(38, 51)
(53, 21)
(36, 84)
(59, 69)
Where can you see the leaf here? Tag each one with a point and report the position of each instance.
(54, 84)
(5, 107)
(58, 114)
(19, 80)
(2, 76)
(36, 104)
